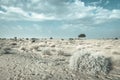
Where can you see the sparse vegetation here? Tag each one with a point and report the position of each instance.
(1, 52)
(15, 38)
(34, 40)
(13, 43)
(35, 47)
(57, 58)
(52, 45)
(62, 39)
(90, 63)
(62, 53)
(46, 52)
(116, 38)
(27, 38)
(51, 37)
(71, 39)
(23, 48)
(81, 36)
(7, 50)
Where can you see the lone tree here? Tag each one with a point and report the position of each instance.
(51, 37)
(15, 38)
(81, 36)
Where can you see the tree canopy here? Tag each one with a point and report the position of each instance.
(81, 35)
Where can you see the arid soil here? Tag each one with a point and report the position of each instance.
(49, 59)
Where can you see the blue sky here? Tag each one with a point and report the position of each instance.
(60, 18)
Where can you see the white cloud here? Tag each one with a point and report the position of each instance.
(96, 3)
(36, 16)
(16, 13)
(42, 10)
(115, 14)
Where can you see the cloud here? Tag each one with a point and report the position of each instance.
(16, 13)
(96, 3)
(69, 11)
(115, 14)
(36, 16)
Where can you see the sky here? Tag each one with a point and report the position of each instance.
(59, 18)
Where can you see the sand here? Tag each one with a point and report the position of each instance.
(50, 59)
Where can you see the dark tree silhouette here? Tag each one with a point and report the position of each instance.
(51, 37)
(15, 38)
(81, 36)
(116, 38)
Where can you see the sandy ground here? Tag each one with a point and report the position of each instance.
(49, 59)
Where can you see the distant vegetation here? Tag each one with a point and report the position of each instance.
(51, 37)
(71, 39)
(116, 38)
(81, 36)
(15, 38)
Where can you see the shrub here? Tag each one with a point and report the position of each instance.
(52, 45)
(34, 40)
(62, 53)
(7, 50)
(23, 48)
(51, 37)
(15, 38)
(90, 63)
(1, 52)
(46, 52)
(71, 39)
(13, 43)
(35, 47)
(81, 36)
(62, 39)
(116, 38)
(27, 38)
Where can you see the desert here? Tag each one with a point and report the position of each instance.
(59, 59)
(59, 39)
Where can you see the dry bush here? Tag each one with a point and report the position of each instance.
(52, 45)
(13, 43)
(22, 48)
(62, 53)
(35, 47)
(46, 52)
(2, 51)
(7, 50)
(42, 45)
(90, 63)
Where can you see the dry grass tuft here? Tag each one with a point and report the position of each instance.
(46, 52)
(7, 50)
(62, 53)
(90, 62)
